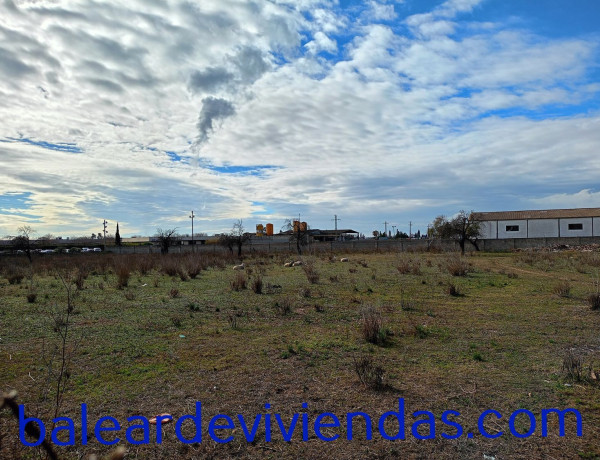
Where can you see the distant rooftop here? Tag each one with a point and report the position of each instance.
(538, 214)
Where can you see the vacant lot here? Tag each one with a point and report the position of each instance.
(145, 335)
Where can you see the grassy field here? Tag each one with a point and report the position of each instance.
(147, 335)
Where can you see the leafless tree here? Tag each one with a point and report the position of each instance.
(236, 238)
(299, 235)
(22, 242)
(166, 238)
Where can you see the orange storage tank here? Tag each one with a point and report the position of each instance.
(269, 229)
(296, 226)
(303, 226)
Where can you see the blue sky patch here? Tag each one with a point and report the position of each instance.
(61, 146)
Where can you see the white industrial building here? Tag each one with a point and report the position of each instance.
(559, 223)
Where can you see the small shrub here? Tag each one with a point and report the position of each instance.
(594, 301)
(457, 266)
(334, 279)
(562, 288)
(373, 329)
(239, 281)
(176, 321)
(352, 270)
(257, 285)
(422, 331)
(305, 292)
(573, 366)
(232, 321)
(512, 275)
(129, 295)
(453, 290)
(193, 306)
(145, 264)
(80, 277)
(194, 265)
(31, 297)
(405, 303)
(369, 374)
(123, 274)
(403, 267)
(15, 277)
(284, 306)
(174, 293)
(478, 357)
(311, 273)
(319, 308)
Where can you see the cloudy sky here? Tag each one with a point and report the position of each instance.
(260, 110)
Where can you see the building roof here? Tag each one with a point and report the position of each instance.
(537, 214)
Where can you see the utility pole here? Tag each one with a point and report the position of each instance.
(192, 217)
(393, 231)
(336, 218)
(386, 224)
(104, 231)
(410, 229)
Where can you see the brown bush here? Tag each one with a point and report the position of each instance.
(370, 375)
(257, 285)
(562, 288)
(311, 273)
(239, 281)
(457, 266)
(123, 273)
(594, 301)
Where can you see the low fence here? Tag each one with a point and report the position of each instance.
(370, 245)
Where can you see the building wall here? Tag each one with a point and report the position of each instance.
(488, 229)
(541, 228)
(585, 222)
(503, 233)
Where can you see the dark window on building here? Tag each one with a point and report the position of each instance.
(575, 226)
(512, 228)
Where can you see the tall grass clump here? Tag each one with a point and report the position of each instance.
(457, 266)
(311, 273)
(239, 281)
(370, 374)
(594, 301)
(562, 288)
(123, 273)
(257, 285)
(372, 326)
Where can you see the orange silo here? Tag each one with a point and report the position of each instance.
(296, 226)
(269, 229)
(303, 226)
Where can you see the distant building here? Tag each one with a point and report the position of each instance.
(559, 223)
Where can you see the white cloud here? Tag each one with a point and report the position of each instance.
(407, 122)
(586, 198)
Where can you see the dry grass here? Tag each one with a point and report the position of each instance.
(562, 289)
(502, 346)
(239, 281)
